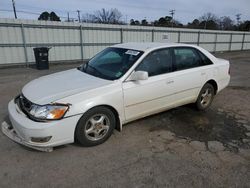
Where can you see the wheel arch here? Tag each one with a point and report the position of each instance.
(214, 84)
(117, 117)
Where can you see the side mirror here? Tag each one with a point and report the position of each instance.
(138, 75)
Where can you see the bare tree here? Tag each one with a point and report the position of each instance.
(112, 16)
(226, 23)
(208, 16)
(209, 21)
(88, 18)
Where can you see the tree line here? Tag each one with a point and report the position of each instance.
(114, 16)
(206, 21)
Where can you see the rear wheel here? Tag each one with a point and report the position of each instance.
(95, 126)
(205, 97)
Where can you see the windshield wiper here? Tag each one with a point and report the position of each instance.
(95, 69)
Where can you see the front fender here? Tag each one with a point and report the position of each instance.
(109, 95)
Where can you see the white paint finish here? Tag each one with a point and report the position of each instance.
(11, 35)
(209, 47)
(173, 37)
(136, 36)
(131, 100)
(205, 37)
(101, 36)
(189, 37)
(236, 46)
(62, 131)
(246, 46)
(223, 38)
(237, 38)
(60, 85)
(247, 38)
(146, 96)
(11, 55)
(222, 47)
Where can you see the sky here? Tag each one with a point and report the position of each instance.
(185, 10)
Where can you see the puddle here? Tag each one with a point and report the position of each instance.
(190, 124)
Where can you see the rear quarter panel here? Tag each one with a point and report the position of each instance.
(222, 73)
(219, 71)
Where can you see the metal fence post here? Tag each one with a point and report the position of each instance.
(198, 39)
(153, 35)
(215, 42)
(243, 41)
(81, 42)
(179, 36)
(230, 42)
(121, 30)
(24, 45)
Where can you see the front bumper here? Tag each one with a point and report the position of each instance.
(21, 129)
(10, 132)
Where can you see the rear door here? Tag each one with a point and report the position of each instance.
(189, 74)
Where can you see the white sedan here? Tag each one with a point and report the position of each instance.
(122, 83)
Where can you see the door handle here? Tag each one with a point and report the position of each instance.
(203, 73)
(170, 82)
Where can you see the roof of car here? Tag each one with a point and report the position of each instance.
(143, 46)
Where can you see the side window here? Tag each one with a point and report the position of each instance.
(186, 58)
(205, 59)
(157, 62)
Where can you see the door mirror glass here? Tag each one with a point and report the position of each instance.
(138, 75)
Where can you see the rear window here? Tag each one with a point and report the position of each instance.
(204, 59)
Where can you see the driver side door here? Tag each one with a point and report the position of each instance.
(145, 97)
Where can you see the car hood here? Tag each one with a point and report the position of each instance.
(50, 88)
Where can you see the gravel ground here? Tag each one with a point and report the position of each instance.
(177, 148)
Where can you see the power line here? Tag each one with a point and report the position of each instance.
(28, 12)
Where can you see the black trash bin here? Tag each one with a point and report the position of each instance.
(42, 57)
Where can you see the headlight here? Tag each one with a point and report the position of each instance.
(48, 112)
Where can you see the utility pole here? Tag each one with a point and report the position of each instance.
(172, 12)
(14, 8)
(68, 17)
(238, 17)
(79, 18)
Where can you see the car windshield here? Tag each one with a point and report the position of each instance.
(111, 63)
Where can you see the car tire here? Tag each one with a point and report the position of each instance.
(95, 126)
(205, 97)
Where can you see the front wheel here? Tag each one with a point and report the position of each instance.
(95, 126)
(205, 97)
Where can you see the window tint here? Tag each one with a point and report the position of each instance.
(204, 59)
(157, 62)
(111, 63)
(111, 57)
(186, 58)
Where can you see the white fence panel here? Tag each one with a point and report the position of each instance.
(74, 41)
(189, 38)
